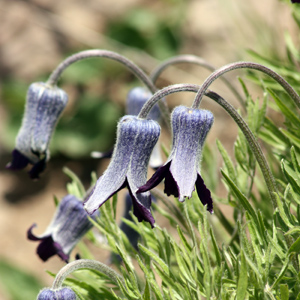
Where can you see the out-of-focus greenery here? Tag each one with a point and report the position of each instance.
(17, 283)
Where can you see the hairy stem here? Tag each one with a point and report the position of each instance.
(248, 65)
(85, 264)
(196, 60)
(138, 72)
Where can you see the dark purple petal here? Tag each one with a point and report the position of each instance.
(19, 161)
(140, 211)
(47, 246)
(295, 1)
(37, 168)
(204, 194)
(171, 187)
(156, 178)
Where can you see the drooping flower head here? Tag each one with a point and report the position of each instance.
(182, 169)
(44, 105)
(64, 293)
(136, 98)
(128, 167)
(69, 224)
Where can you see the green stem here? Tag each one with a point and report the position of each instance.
(85, 264)
(253, 143)
(249, 65)
(196, 60)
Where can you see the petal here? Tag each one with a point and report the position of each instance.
(204, 194)
(141, 206)
(156, 178)
(37, 168)
(47, 246)
(171, 187)
(19, 161)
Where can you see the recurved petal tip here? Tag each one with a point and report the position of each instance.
(204, 194)
(19, 161)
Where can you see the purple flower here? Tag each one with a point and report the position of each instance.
(128, 167)
(59, 294)
(69, 225)
(295, 1)
(44, 105)
(182, 169)
(136, 98)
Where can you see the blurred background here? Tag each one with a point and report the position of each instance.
(36, 35)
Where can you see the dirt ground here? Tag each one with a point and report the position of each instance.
(216, 30)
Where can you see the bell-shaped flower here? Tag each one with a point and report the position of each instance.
(64, 293)
(69, 224)
(136, 99)
(44, 105)
(128, 167)
(182, 169)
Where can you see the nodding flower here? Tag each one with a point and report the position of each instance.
(128, 167)
(182, 169)
(136, 98)
(44, 105)
(69, 224)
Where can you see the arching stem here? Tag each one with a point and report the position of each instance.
(196, 60)
(138, 72)
(252, 141)
(248, 65)
(85, 264)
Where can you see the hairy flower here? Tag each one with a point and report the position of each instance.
(44, 105)
(128, 167)
(136, 98)
(69, 224)
(64, 293)
(182, 169)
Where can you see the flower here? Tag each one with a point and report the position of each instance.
(136, 98)
(64, 293)
(44, 105)
(128, 167)
(182, 169)
(69, 224)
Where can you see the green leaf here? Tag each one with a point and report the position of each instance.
(227, 161)
(18, 284)
(295, 247)
(242, 283)
(243, 200)
(284, 292)
(146, 294)
(155, 257)
(285, 110)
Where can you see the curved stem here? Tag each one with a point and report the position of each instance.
(193, 59)
(249, 65)
(138, 72)
(101, 53)
(252, 141)
(85, 264)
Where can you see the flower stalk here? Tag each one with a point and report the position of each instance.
(245, 65)
(193, 59)
(137, 71)
(85, 264)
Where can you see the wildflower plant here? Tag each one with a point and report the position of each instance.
(248, 249)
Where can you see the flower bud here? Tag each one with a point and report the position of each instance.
(59, 294)
(44, 105)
